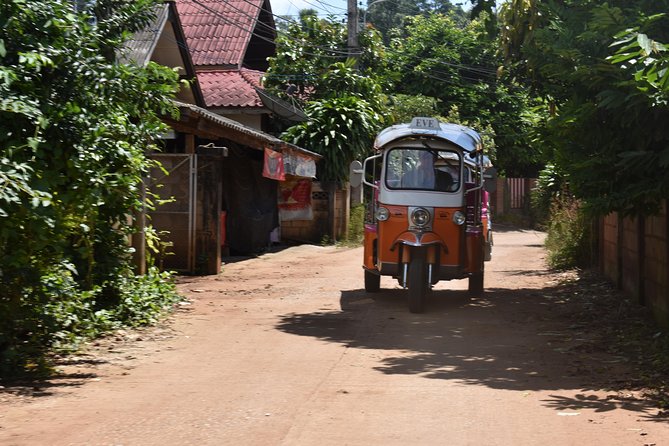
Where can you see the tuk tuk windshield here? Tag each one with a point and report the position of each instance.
(423, 169)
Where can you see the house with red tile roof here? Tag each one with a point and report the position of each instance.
(229, 42)
(229, 186)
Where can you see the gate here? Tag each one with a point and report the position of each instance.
(174, 193)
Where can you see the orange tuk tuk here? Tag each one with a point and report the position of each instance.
(427, 215)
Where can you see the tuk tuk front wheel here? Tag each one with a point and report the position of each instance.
(417, 283)
(372, 282)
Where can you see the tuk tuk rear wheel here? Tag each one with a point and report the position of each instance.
(476, 284)
(372, 282)
(417, 283)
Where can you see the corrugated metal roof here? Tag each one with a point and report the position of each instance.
(265, 138)
(218, 31)
(230, 88)
(140, 48)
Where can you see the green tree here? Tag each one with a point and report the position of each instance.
(404, 107)
(342, 96)
(309, 49)
(436, 57)
(342, 125)
(607, 127)
(74, 130)
(389, 16)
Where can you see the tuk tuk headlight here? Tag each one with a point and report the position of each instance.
(459, 218)
(382, 214)
(420, 217)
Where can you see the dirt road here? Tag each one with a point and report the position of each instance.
(287, 349)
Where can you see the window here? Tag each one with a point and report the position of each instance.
(423, 169)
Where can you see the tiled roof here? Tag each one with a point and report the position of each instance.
(230, 88)
(218, 31)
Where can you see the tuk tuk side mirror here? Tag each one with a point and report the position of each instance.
(355, 173)
(490, 179)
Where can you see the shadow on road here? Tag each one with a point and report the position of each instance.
(42, 388)
(514, 339)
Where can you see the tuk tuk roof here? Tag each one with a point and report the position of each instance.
(463, 137)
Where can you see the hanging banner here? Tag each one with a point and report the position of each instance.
(299, 165)
(295, 199)
(273, 166)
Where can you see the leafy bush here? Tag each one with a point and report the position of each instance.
(549, 186)
(340, 129)
(58, 315)
(74, 130)
(143, 299)
(569, 238)
(356, 225)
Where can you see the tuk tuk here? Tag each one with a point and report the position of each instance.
(427, 217)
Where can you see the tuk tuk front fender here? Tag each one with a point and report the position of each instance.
(410, 238)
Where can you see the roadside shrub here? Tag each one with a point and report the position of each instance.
(143, 299)
(549, 186)
(58, 315)
(569, 235)
(356, 225)
(75, 128)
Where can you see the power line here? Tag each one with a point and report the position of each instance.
(448, 79)
(473, 69)
(339, 54)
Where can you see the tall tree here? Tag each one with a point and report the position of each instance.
(388, 16)
(604, 131)
(341, 96)
(459, 67)
(309, 48)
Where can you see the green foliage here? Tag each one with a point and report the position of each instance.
(569, 238)
(606, 80)
(341, 129)
(342, 97)
(142, 300)
(74, 130)
(57, 315)
(304, 51)
(404, 107)
(647, 59)
(156, 247)
(307, 51)
(392, 15)
(459, 68)
(356, 226)
(342, 102)
(550, 184)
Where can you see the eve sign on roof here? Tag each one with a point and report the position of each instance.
(424, 123)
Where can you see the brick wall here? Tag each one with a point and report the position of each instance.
(512, 195)
(609, 246)
(324, 206)
(311, 231)
(656, 266)
(634, 254)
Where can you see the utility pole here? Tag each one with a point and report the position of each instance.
(353, 28)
